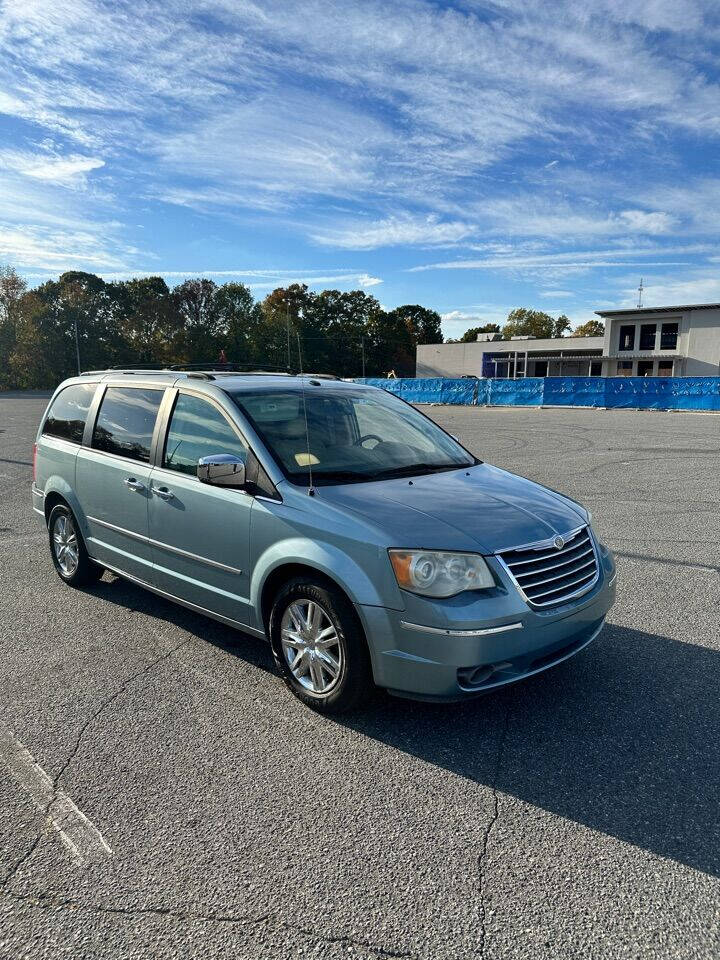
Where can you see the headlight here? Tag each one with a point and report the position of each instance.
(434, 574)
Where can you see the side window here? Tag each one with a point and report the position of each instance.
(68, 413)
(198, 429)
(126, 422)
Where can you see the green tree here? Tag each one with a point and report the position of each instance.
(591, 328)
(12, 291)
(523, 323)
(149, 326)
(561, 326)
(391, 345)
(194, 302)
(240, 321)
(424, 325)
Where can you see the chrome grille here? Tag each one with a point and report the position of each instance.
(546, 575)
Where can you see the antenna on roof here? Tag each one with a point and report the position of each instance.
(640, 293)
(311, 489)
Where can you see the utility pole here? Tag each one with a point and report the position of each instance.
(362, 349)
(287, 320)
(640, 293)
(77, 345)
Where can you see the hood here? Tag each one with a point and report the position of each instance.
(480, 508)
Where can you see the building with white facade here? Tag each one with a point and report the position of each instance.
(681, 341)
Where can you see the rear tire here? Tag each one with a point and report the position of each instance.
(67, 549)
(319, 646)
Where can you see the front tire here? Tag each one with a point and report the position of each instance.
(319, 646)
(67, 549)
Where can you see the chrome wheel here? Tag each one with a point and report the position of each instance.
(311, 647)
(65, 545)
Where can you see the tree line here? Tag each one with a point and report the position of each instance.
(144, 322)
(81, 318)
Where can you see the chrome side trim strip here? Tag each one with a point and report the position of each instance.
(480, 632)
(183, 603)
(41, 512)
(36, 492)
(165, 546)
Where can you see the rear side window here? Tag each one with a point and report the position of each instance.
(126, 422)
(198, 429)
(68, 413)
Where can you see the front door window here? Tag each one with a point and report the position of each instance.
(198, 429)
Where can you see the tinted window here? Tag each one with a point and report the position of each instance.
(669, 336)
(198, 429)
(126, 422)
(68, 413)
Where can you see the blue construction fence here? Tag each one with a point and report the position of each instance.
(643, 393)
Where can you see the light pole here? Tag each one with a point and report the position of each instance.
(77, 345)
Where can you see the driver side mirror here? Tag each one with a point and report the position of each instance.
(221, 470)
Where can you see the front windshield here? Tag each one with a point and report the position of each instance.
(354, 435)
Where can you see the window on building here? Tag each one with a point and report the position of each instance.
(665, 368)
(68, 413)
(198, 429)
(647, 336)
(624, 368)
(627, 337)
(596, 368)
(126, 422)
(645, 368)
(669, 336)
(541, 367)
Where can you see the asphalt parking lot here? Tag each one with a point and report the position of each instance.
(573, 815)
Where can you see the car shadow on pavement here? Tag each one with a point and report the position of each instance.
(624, 739)
(125, 593)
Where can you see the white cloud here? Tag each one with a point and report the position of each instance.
(556, 294)
(58, 251)
(65, 170)
(565, 261)
(394, 231)
(639, 221)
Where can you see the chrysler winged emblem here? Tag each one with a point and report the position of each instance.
(559, 543)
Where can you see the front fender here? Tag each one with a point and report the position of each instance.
(326, 559)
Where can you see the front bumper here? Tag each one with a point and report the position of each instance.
(464, 655)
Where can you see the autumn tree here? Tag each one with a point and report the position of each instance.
(12, 290)
(591, 328)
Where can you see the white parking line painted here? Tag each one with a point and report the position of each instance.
(80, 835)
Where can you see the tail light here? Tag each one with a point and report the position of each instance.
(34, 462)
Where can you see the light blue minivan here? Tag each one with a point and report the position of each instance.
(332, 518)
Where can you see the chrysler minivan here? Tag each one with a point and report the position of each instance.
(332, 518)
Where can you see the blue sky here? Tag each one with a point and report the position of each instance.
(469, 156)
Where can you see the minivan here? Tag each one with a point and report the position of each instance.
(332, 518)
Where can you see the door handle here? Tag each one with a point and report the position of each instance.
(133, 484)
(163, 492)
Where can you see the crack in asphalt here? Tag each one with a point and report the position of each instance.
(490, 826)
(103, 706)
(44, 902)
